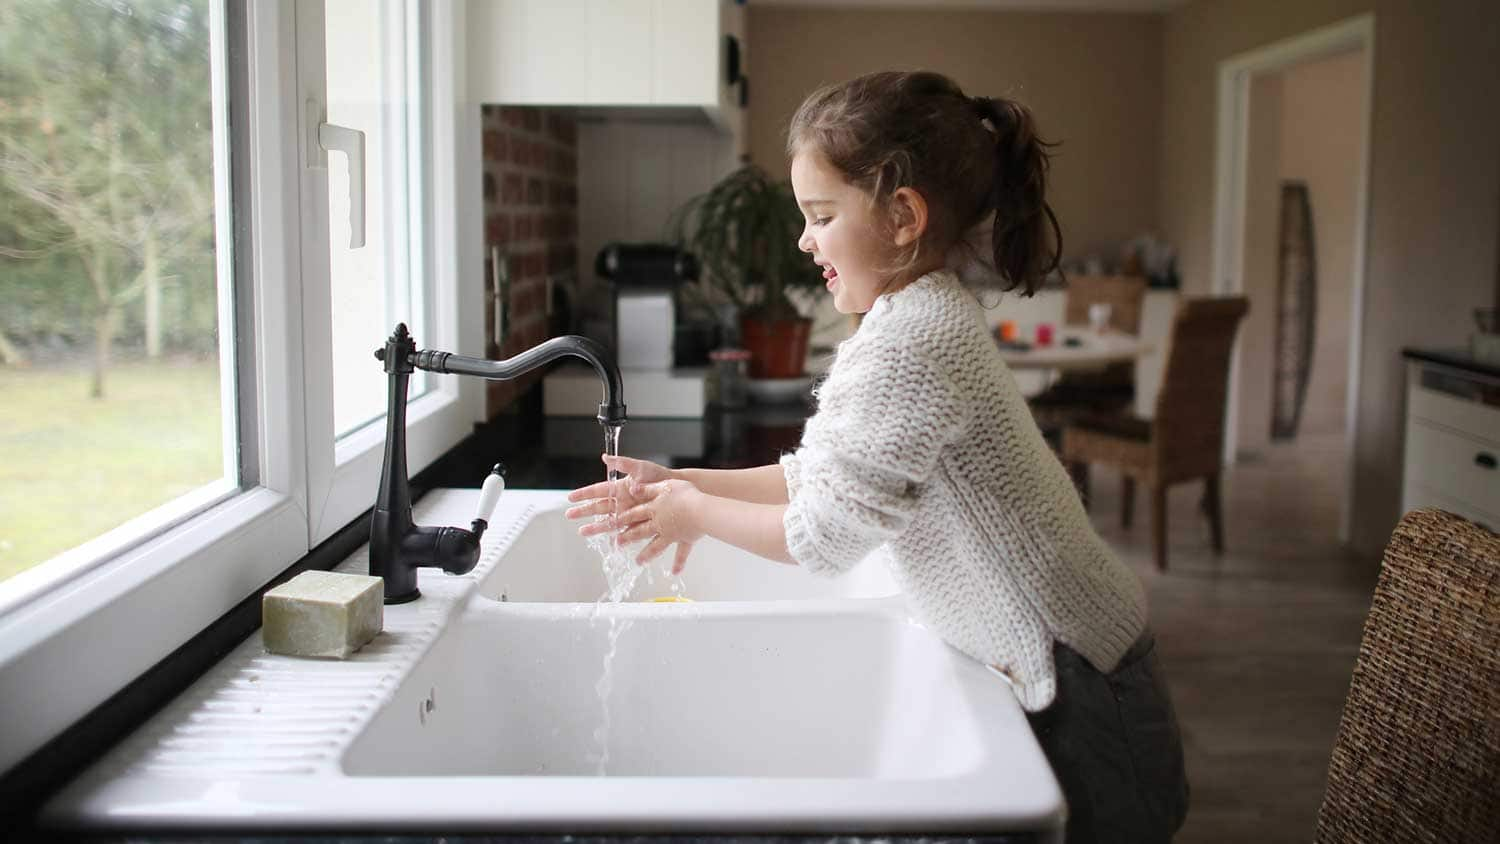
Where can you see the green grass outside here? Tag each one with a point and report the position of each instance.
(73, 467)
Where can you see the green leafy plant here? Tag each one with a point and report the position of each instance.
(744, 233)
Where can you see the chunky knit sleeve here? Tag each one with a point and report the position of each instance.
(882, 422)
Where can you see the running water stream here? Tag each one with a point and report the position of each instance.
(620, 574)
(619, 577)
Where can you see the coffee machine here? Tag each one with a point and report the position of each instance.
(644, 279)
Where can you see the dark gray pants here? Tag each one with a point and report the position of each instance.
(1115, 748)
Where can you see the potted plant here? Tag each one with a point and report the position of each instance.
(744, 232)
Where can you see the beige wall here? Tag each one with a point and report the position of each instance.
(1093, 80)
(1434, 177)
(1304, 126)
(1320, 126)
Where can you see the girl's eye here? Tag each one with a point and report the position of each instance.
(821, 221)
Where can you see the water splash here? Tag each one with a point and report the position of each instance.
(620, 573)
(620, 570)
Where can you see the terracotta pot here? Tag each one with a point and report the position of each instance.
(778, 347)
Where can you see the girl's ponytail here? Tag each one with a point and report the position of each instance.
(1024, 252)
(977, 161)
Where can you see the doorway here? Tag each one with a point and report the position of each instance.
(1290, 220)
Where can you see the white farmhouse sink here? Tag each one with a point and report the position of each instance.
(748, 693)
(791, 712)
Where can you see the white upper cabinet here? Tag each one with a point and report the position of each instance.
(606, 53)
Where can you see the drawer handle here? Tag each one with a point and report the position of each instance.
(1485, 459)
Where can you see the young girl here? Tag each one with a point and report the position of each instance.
(923, 442)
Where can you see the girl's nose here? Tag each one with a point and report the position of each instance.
(805, 242)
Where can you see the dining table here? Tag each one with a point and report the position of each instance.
(1075, 350)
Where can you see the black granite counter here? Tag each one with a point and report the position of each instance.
(541, 452)
(1456, 358)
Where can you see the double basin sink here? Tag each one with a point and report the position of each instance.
(509, 700)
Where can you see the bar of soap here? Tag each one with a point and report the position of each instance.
(322, 613)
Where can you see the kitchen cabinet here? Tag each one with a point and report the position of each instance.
(651, 54)
(1452, 435)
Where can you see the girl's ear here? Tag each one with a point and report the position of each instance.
(908, 216)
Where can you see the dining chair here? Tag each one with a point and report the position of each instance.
(1184, 440)
(1417, 756)
(1106, 390)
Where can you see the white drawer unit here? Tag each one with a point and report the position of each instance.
(1453, 441)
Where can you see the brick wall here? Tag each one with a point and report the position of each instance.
(531, 214)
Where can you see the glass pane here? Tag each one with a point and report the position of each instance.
(367, 63)
(117, 415)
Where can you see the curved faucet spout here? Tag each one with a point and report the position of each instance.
(611, 411)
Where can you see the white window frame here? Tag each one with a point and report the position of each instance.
(344, 474)
(69, 649)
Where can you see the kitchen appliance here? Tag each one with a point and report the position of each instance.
(644, 279)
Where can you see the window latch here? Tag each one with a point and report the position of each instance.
(351, 142)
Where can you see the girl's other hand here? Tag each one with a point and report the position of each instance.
(609, 497)
(602, 496)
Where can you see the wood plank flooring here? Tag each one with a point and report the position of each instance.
(1258, 644)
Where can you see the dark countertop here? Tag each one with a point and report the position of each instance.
(542, 452)
(1454, 357)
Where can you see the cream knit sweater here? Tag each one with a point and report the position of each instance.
(923, 441)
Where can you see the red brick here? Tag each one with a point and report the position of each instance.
(533, 191)
(532, 119)
(512, 189)
(523, 227)
(512, 116)
(492, 234)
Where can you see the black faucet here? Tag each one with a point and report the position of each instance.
(397, 545)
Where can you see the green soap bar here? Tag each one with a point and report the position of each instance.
(322, 613)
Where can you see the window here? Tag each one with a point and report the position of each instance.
(373, 88)
(367, 69)
(245, 290)
(116, 317)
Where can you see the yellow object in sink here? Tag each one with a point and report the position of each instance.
(671, 599)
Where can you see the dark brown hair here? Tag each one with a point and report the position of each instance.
(972, 159)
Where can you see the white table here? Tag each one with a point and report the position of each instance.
(1095, 351)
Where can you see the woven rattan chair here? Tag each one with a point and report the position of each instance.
(1418, 752)
(1185, 439)
(1105, 391)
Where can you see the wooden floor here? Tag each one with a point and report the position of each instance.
(1257, 644)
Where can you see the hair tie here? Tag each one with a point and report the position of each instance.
(984, 107)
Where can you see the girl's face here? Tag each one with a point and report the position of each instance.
(842, 233)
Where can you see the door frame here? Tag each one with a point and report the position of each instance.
(1235, 74)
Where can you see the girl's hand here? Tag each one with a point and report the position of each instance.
(602, 496)
(667, 515)
(609, 497)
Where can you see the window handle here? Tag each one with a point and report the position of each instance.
(1485, 459)
(351, 142)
